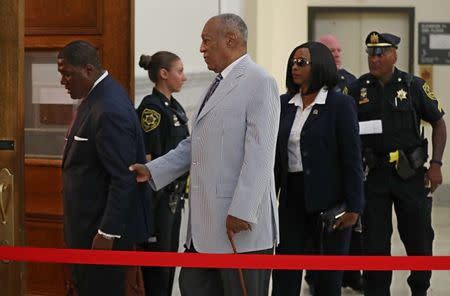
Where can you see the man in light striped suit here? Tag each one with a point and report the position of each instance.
(230, 155)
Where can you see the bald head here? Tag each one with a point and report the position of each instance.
(333, 44)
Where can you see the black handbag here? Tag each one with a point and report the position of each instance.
(330, 216)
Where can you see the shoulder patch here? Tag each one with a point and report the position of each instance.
(150, 119)
(428, 91)
(430, 95)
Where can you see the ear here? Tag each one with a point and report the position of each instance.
(89, 69)
(163, 73)
(231, 38)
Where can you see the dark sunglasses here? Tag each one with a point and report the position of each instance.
(301, 62)
(377, 51)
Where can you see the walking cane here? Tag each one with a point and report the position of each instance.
(241, 275)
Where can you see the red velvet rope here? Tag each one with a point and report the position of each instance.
(51, 255)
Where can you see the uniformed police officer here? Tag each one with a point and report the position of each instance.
(391, 103)
(164, 125)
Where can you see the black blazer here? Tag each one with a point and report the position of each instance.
(99, 190)
(331, 153)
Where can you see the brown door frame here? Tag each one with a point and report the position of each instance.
(11, 137)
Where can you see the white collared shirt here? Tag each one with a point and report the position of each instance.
(294, 155)
(98, 81)
(230, 67)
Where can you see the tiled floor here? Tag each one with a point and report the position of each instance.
(440, 279)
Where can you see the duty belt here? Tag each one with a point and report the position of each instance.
(405, 164)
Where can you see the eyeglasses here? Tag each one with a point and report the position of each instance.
(301, 62)
(377, 51)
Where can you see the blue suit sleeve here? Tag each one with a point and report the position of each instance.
(116, 146)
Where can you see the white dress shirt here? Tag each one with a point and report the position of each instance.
(294, 155)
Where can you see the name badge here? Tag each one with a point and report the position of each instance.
(370, 127)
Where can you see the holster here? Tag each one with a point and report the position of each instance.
(175, 192)
(409, 162)
(404, 168)
(418, 156)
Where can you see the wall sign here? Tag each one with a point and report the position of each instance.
(434, 43)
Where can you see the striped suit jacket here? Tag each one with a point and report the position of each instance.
(230, 155)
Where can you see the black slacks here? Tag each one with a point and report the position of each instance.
(224, 282)
(94, 280)
(384, 188)
(297, 226)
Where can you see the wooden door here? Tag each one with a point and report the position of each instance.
(49, 25)
(11, 141)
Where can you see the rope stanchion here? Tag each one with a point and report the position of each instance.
(249, 261)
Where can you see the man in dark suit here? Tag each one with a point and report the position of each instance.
(104, 207)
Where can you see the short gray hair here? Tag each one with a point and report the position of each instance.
(233, 22)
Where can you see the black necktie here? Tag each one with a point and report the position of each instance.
(211, 90)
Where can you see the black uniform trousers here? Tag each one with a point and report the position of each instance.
(297, 226)
(384, 188)
(158, 281)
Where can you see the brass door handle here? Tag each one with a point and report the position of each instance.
(6, 191)
(2, 204)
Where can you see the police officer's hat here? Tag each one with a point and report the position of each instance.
(377, 43)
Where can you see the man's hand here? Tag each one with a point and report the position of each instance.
(433, 177)
(235, 225)
(347, 220)
(102, 243)
(142, 172)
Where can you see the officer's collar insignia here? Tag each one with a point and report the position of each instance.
(315, 112)
(374, 38)
(401, 94)
(150, 119)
